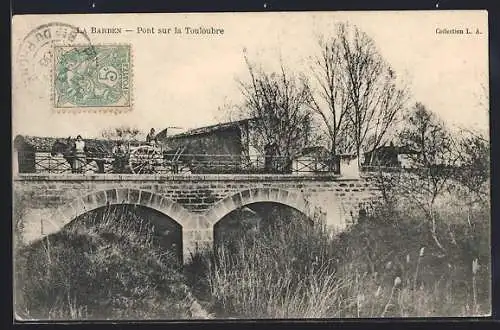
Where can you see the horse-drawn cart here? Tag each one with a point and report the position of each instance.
(148, 159)
(136, 158)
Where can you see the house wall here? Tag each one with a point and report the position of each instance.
(220, 142)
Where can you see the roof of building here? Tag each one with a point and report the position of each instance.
(203, 130)
(398, 149)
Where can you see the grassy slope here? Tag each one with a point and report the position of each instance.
(100, 270)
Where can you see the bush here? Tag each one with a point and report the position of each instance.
(385, 266)
(99, 269)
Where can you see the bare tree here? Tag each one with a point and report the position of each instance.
(358, 95)
(330, 99)
(474, 158)
(278, 104)
(435, 165)
(124, 133)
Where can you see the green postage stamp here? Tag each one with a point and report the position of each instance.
(92, 77)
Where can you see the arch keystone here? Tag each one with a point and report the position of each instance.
(145, 198)
(122, 195)
(262, 194)
(237, 200)
(134, 196)
(100, 198)
(274, 194)
(112, 196)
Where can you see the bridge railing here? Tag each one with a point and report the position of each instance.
(150, 162)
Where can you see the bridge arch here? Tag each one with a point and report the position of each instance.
(294, 200)
(65, 214)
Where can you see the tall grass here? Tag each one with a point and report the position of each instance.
(254, 280)
(100, 267)
(383, 267)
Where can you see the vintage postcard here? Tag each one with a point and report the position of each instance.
(276, 165)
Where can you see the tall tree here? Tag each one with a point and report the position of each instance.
(474, 158)
(329, 98)
(278, 104)
(358, 96)
(434, 166)
(474, 155)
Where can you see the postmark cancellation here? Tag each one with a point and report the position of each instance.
(92, 78)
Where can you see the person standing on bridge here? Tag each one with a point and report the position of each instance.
(119, 153)
(151, 138)
(79, 154)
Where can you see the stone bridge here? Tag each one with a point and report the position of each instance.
(195, 202)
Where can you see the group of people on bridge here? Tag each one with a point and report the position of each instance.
(149, 158)
(119, 152)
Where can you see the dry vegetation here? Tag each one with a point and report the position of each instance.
(100, 268)
(383, 267)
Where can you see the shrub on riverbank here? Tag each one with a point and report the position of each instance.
(108, 268)
(385, 266)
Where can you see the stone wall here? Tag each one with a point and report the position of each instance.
(196, 202)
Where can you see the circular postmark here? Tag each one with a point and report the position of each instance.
(35, 56)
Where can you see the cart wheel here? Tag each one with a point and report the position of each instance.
(145, 160)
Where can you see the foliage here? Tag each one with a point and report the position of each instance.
(474, 160)
(425, 133)
(386, 266)
(99, 269)
(433, 165)
(277, 101)
(124, 133)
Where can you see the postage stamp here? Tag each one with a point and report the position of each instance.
(92, 77)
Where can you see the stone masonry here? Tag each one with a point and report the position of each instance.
(196, 202)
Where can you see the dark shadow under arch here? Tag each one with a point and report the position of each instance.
(163, 232)
(254, 219)
(291, 199)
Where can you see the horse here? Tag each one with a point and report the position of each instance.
(92, 153)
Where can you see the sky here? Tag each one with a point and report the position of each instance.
(183, 80)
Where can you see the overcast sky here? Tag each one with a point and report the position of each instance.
(181, 80)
